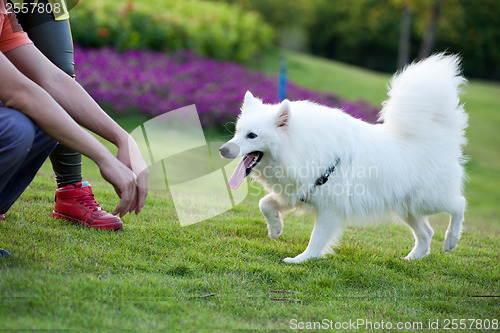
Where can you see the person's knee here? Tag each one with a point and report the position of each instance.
(18, 133)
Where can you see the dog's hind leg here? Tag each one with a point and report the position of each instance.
(270, 208)
(327, 229)
(422, 232)
(452, 234)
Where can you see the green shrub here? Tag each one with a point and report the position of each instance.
(363, 32)
(366, 32)
(288, 18)
(216, 30)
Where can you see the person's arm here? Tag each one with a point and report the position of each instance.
(67, 93)
(81, 107)
(20, 93)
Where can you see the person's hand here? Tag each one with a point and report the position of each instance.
(124, 182)
(130, 156)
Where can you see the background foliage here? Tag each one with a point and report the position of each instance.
(361, 32)
(216, 30)
(366, 32)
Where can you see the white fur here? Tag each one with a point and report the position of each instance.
(410, 165)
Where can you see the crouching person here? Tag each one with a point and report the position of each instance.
(41, 105)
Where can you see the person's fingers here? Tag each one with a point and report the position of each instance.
(124, 181)
(142, 190)
(142, 193)
(128, 198)
(124, 202)
(118, 207)
(127, 202)
(132, 203)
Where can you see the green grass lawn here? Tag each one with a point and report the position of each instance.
(225, 273)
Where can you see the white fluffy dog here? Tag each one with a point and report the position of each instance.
(411, 164)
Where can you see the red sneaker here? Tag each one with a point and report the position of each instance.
(76, 203)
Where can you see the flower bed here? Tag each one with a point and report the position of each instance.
(153, 83)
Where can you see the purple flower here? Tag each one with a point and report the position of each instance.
(154, 83)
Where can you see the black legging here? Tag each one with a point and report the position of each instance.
(53, 39)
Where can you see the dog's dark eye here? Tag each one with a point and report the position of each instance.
(251, 135)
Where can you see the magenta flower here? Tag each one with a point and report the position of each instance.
(154, 83)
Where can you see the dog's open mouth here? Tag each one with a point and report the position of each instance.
(244, 168)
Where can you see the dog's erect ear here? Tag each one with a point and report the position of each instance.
(283, 114)
(248, 97)
(250, 101)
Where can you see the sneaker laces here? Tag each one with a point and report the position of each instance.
(89, 201)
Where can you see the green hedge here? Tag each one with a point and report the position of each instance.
(216, 30)
(366, 32)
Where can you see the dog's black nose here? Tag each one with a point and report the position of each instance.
(224, 151)
(229, 150)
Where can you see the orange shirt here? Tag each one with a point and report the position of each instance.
(11, 33)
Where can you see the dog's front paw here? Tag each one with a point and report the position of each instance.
(298, 259)
(274, 229)
(275, 232)
(415, 255)
(291, 261)
(450, 242)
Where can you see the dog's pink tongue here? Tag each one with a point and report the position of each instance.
(238, 175)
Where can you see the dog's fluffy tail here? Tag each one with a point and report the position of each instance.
(424, 99)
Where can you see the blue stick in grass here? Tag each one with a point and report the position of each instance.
(282, 80)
